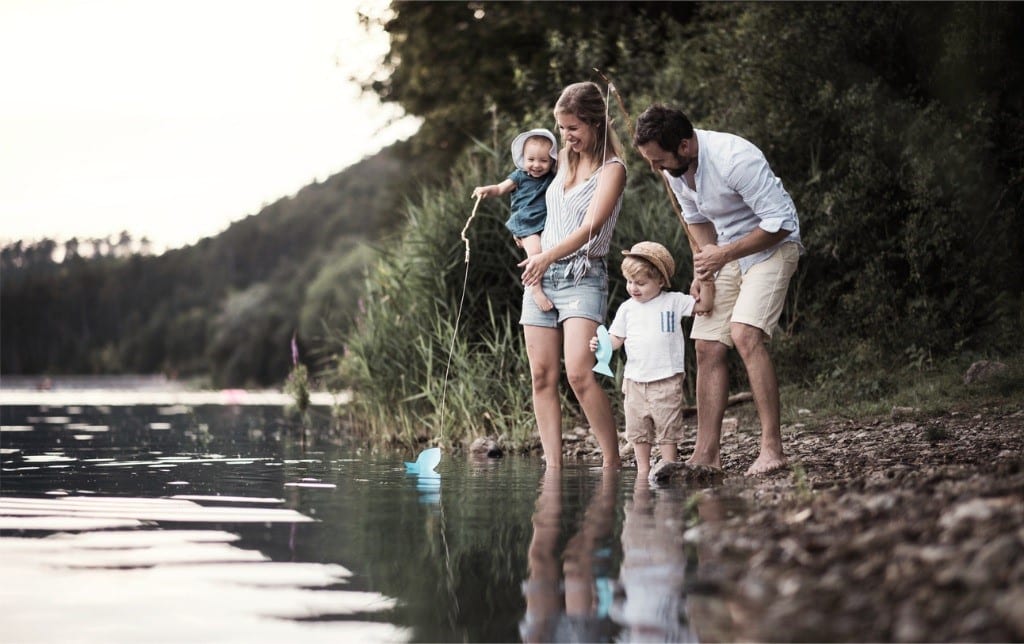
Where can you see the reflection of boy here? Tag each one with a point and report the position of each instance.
(649, 324)
(534, 153)
(653, 571)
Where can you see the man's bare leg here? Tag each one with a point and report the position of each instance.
(712, 395)
(750, 343)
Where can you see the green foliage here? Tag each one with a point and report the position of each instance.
(908, 193)
(521, 54)
(297, 386)
(424, 306)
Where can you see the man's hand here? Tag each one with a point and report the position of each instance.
(708, 261)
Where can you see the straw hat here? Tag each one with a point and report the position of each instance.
(519, 143)
(656, 254)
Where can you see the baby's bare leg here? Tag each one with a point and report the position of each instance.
(531, 244)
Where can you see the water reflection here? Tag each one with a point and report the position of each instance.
(569, 603)
(654, 567)
(507, 551)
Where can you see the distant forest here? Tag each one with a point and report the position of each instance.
(897, 127)
(224, 308)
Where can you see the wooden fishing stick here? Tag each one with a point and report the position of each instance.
(694, 246)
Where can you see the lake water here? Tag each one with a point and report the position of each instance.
(216, 523)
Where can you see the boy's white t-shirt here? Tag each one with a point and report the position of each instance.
(654, 336)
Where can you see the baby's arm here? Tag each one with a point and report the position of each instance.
(497, 190)
(616, 342)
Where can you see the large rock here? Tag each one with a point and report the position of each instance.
(667, 473)
(983, 370)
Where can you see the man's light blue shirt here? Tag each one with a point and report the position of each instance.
(737, 192)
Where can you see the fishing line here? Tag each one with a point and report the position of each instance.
(458, 314)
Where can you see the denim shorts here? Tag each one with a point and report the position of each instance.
(588, 299)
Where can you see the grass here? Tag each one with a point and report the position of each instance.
(875, 391)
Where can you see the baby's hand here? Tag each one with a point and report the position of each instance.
(482, 192)
(593, 344)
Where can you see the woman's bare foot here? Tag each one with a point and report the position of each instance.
(541, 300)
(766, 464)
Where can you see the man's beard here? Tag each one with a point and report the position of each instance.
(684, 165)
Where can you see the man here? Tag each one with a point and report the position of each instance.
(746, 229)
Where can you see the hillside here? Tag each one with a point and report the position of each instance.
(225, 307)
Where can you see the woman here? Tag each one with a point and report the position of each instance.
(583, 205)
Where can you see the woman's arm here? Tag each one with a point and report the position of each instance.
(610, 184)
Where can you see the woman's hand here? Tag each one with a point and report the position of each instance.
(534, 267)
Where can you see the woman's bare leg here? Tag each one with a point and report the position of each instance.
(579, 364)
(543, 348)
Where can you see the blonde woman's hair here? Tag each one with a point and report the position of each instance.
(585, 102)
(633, 267)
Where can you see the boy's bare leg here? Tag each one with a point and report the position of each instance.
(643, 459)
(531, 244)
(668, 452)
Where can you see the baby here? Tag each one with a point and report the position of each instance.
(535, 153)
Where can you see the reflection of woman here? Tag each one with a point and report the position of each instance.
(584, 617)
(583, 205)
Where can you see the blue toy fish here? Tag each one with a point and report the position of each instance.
(426, 462)
(604, 352)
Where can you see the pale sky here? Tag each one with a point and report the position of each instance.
(173, 118)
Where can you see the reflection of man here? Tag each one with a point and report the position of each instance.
(746, 227)
(584, 618)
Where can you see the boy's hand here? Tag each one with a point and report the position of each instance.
(593, 344)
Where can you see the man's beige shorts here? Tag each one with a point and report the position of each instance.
(654, 410)
(755, 298)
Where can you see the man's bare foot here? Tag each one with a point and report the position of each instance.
(766, 464)
(541, 300)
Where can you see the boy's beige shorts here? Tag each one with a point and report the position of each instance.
(654, 410)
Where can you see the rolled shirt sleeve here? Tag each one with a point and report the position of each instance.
(737, 192)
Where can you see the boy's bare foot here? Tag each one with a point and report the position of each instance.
(766, 464)
(540, 299)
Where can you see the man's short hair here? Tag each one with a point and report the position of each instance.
(665, 126)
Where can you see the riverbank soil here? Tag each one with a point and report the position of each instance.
(904, 528)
